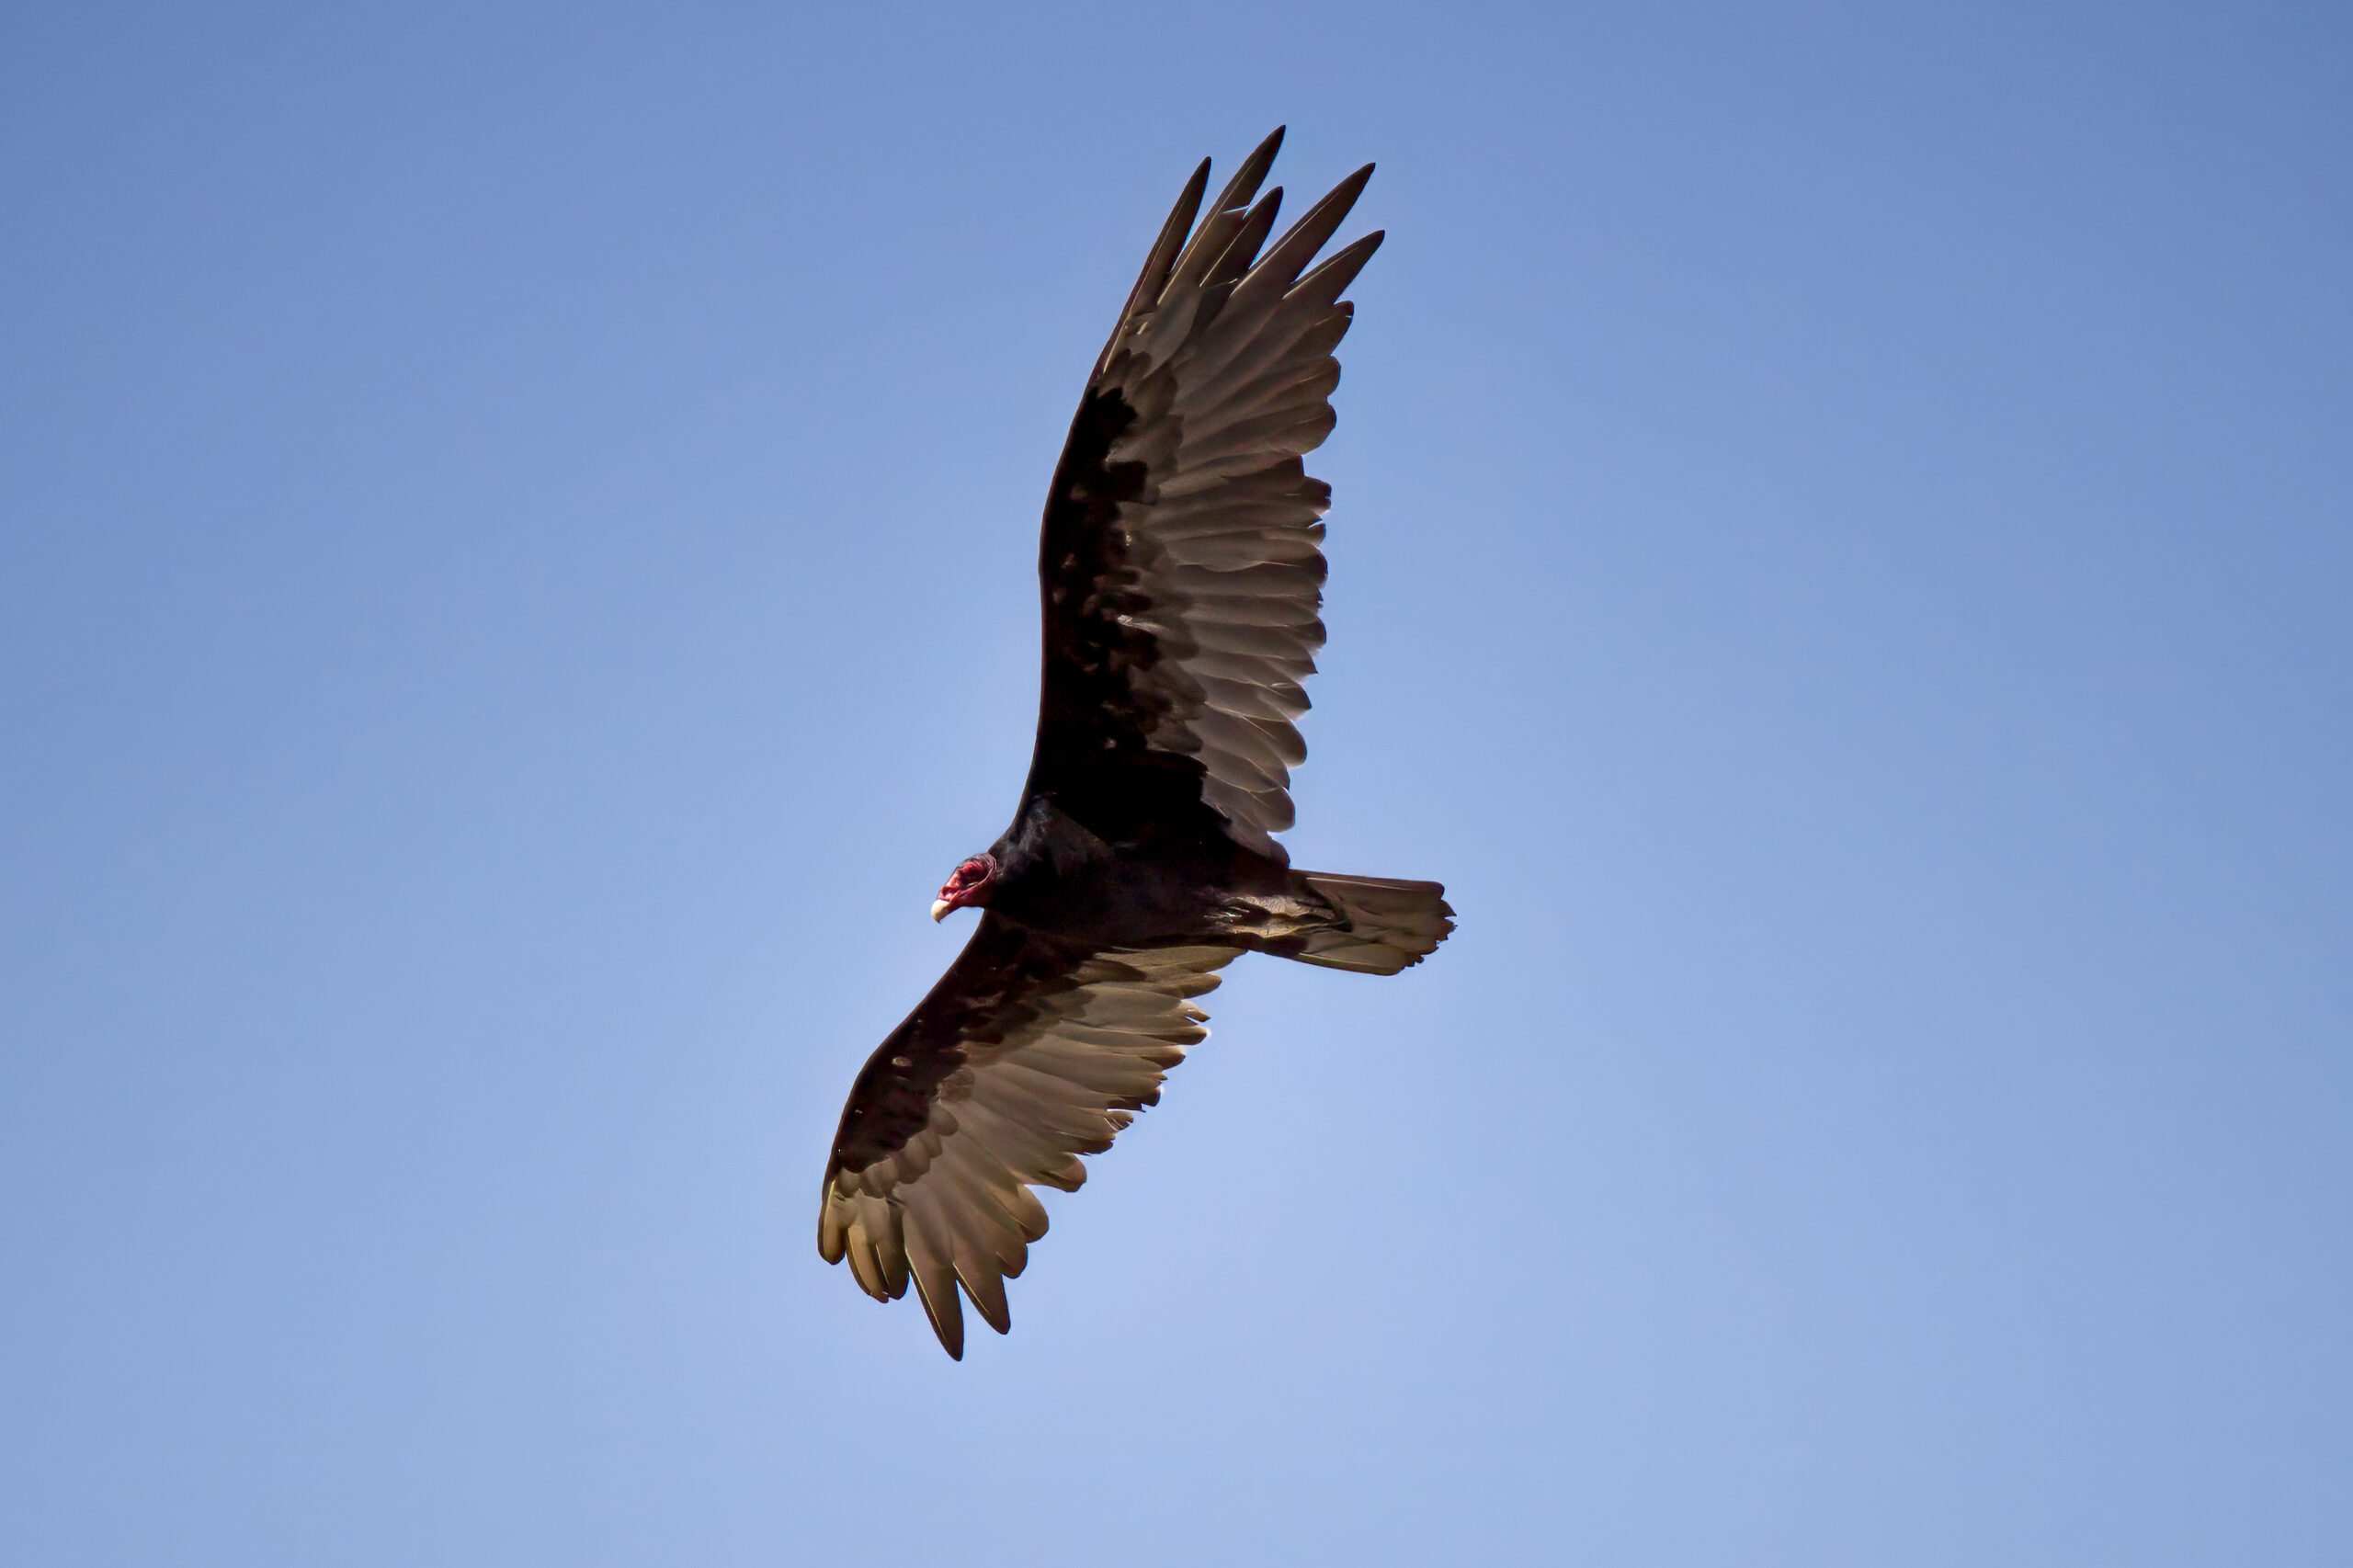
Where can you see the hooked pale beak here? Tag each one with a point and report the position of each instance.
(939, 908)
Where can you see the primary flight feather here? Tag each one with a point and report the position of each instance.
(1181, 571)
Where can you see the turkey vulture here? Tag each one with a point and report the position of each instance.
(1181, 577)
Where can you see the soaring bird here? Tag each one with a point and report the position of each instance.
(1182, 577)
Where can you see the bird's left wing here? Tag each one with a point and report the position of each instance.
(1029, 1052)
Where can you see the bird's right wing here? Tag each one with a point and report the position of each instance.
(1180, 560)
(1029, 1052)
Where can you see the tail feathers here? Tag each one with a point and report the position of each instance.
(1391, 925)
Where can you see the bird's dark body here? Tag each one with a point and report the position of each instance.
(1058, 875)
(1180, 576)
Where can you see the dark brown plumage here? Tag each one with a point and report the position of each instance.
(1181, 578)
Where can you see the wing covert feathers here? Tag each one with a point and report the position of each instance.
(1028, 1054)
(1181, 561)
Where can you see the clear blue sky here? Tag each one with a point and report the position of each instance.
(516, 586)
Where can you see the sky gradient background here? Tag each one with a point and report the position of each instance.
(515, 584)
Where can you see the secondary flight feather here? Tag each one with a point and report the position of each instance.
(1181, 572)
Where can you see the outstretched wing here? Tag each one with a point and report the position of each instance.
(1179, 560)
(1029, 1052)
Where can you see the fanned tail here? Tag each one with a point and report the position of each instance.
(1391, 924)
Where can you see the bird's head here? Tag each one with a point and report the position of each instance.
(968, 884)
